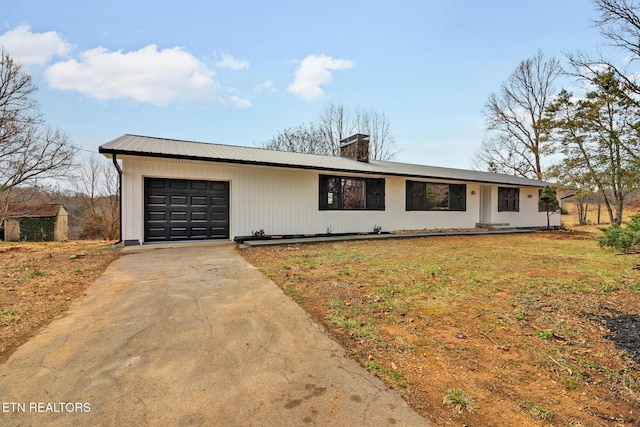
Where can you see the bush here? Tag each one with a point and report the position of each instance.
(37, 229)
(100, 227)
(624, 239)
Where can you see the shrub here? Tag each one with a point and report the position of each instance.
(624, 239)
(260, 234)
(99, 226)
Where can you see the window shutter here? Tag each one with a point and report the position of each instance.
(375, 194)
(323, 204)
(502, 199)
(409, 196)
(415, 196)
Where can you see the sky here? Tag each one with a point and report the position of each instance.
(238, 72)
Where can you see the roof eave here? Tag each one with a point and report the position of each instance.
(116, 152)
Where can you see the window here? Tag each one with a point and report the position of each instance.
(508, 199)
(430, 196)
(344, 192)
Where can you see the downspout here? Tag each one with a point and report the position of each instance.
(115, 163)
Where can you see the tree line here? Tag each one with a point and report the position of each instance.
(35, 159)
(585, 140)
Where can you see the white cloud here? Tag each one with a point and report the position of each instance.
(237, 101)
(146, 75)
(266, 86)
(33, 48)
(150, 75)
(232, 63)
(314, 71)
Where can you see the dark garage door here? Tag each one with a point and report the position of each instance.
(178, 209)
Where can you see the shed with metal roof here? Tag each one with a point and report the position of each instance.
(33, 222)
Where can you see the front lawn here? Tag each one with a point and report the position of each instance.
(40, 280)
(480, 330)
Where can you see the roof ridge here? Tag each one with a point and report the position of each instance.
(222, 145)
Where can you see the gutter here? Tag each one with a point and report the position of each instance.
(115, 163)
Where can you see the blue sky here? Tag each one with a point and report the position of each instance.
(237, 72)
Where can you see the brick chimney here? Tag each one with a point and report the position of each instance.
(356, 147)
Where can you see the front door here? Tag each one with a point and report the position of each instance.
(485, 204)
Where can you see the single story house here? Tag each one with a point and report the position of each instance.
(34, 222)
(181, 190)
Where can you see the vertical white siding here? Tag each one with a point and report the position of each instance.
(401, 219)
(528, 215)
(285, 201)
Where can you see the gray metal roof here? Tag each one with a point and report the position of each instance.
(134, 145)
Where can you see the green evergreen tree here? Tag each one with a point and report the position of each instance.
(550, 202)
(625, 239)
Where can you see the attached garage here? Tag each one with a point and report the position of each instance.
(179, 209)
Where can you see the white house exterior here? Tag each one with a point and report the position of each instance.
(180, 190)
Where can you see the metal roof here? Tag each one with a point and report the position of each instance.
(135, 145)
(24, 210)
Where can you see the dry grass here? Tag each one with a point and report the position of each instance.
(476, 330)
(39, 281)
(515, 323)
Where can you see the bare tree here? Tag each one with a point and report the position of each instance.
(98, 193)
(306, 138)
(382, 144)
(335, 123)
(574, 175)
(517, 130)
(620, 24)
(30, 153)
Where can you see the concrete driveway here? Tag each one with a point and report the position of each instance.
(190, 335)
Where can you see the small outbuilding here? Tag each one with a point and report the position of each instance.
(181, 190)
(34, 223)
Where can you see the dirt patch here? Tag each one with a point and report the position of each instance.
(39, 281)
(521, 325)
